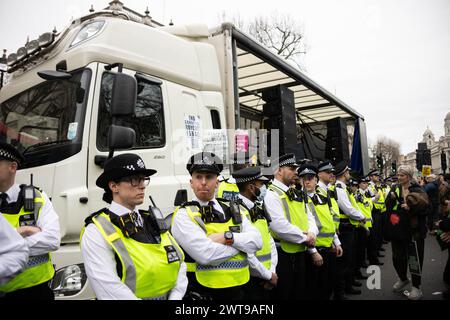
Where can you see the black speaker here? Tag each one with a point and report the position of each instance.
(337, 148)
(280, 112)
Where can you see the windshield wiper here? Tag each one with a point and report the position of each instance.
(37, 145)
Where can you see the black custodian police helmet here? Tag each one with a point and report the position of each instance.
(249, 174)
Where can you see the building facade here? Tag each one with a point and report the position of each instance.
(436, 147)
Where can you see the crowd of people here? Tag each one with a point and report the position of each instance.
(302, 231)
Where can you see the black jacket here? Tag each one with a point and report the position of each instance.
(413, 221)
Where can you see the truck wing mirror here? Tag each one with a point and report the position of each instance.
(124, 95)
(180, 198)
(120, 137)
(54, 75)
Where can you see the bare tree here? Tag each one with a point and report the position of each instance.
(278, 32)
(389, 150)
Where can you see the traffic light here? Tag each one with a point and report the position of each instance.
(380, 162)
(394, 167)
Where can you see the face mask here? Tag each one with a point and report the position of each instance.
(262, 193)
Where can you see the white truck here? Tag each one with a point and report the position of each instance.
(179, 82)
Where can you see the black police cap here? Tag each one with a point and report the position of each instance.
(325, 166)
(121, 166)
(249, 174)
(287, 160)
(373, 172)
(204, 162)
(8, 152)
(307, 169)
(341, 168)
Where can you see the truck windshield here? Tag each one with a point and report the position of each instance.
(46, 122)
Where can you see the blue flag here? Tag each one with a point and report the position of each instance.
(356, 160)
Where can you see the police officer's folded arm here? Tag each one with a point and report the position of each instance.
(13, 251)
(346, 206)
(48, 239)
(282, 228)
(249, 240)
(194, 241)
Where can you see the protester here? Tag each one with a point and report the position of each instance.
(407, 206)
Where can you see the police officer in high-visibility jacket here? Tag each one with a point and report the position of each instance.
(378, 213)
(293, 226)
(321, 265)
(364, 201)
(263, 276)
(328, 190)
(215, 235)
(31, 213)
(227, 187)
(127, 255)
(350, 219)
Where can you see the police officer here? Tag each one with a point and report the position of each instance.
(294, 226)
(13, 252)
(215, 235)
(326, 189)
(365, 236)
(321, 266)
(350, 218)
(227, 187)
(378, 210)
(126, 254)
(263, 276)
(30, 211)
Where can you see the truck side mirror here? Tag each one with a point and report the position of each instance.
(54, 75)
(124, 95)
(180, 198)
(120, 137)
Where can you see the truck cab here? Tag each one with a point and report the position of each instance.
(194, 86)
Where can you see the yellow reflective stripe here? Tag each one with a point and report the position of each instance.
(190, 266)
(129, 268)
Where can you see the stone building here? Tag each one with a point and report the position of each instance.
(435, 146)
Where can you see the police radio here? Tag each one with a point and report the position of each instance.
(28, 199)
(235, 212)
(158, 217)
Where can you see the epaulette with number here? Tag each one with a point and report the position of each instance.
(88, 220)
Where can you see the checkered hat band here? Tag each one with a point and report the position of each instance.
(7, 155)
(247, 179)
(287, 162)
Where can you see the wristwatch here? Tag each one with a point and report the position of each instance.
(229, 238)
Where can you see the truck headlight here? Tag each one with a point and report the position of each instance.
(87, 32)
(69, 280)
